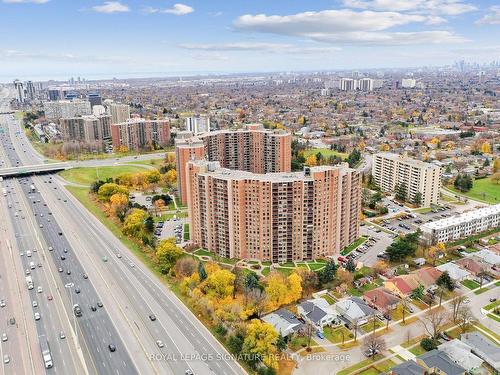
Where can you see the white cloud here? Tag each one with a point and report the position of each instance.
(25, 1)
(179, 10)
(263, 47)
(445, 7)
(491, 19)
(348, 26)
(16, 55)
(111, 7)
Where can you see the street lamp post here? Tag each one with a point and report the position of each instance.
(69, 286)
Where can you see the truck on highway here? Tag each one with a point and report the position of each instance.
(29, 282)
(45, 349)
(32, 188)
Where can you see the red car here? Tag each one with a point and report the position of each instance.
(49, 297)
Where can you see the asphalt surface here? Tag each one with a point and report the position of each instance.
(129, 291)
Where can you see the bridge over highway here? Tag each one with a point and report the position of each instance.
(33, 169)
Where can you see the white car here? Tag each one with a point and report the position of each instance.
(35, 304)
(4, 337)
(39, 289)
(37, 316)
(160, 343)
(2, 303)
(6, 359)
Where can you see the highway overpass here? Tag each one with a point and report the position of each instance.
(33, 169)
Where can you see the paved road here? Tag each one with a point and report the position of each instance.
(136, 291)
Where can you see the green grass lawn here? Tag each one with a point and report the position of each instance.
(266, 270)
(186, 232)
(203, 252)
(368, 327)
(85, 176)
(328, 299)
(157, 163)
(492, 305)
(285, 271)
(359, 365)
(299, 342)
(334, 334)
(325, 152)
(483, 190)
(316, 266)
(417, 350)
(494, 317)
(353, 246)
(423, 210)
(380, 368)
(471, 284)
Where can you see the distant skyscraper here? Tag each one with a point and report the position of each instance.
(408, 83)
(198, 125)
(365, 84)
(348, 84)
(20, 96)
(30, 90)
(119, 112)
(94, 98)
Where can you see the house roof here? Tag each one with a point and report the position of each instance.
(488, 256)
(483, 347)
(316, 309)
(283, 321)
(380, 297)
(470, 264)
(408, 368)
(426, 276)
(404, 283)
(438, 359)
(460, 353)
(355, 308)
(455, 272)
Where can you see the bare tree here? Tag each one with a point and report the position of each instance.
(258, 299)
(456, 303)
(373, 344)
(464, 317)
(308, 331)
(433, 321)
(404, 303)
(355, 324)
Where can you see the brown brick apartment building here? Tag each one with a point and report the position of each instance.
(275, 217)
(139, 133)
(252, 149)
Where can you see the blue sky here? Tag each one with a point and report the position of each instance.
(95, 38)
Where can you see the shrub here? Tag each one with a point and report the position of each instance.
(428, 344)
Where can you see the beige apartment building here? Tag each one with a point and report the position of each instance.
(86, 128)
(252, 149)
(392, 170)
(138, 133)
(278, 217)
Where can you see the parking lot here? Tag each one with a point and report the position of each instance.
(171, 228)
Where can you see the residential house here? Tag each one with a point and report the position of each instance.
(283, 321)
(483, 348)
(460, 353)
(381, 299)
(401, 285)
(426, 276)
(354, 311)
(318, 312)
(456, 273)
(409, 367)
(362, 281)
(473, 265)
(437, 362)
(488, 256)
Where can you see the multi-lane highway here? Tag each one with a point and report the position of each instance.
(161, 335)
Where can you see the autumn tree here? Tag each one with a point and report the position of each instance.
(380, 267)
(496, 178)
(134, 223)
(220, 284)
(496, 165)
(486, 148)
(119, 202)
(167, 254)
(185, 267)
(108, 189)
(311, 161)
(260, 342)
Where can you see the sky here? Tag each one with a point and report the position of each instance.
(42, 39)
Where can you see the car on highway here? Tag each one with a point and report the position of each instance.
(41, 225)
(111, 348)
(37, 316)
(118, 255)
(77, 290)
(49, 297)
(6, 358)
(2, 303)
(68, 272)
(104, 258)
(85, 276)
(4, 337)
(39, 289)
(51, 248)
(493, 299)
(63, 257)
(99, 304)
(60, 269)
(62, 335)
(188, 372)
(12, 321)
(152, 317)
(65, 250)
(93, 308)
(35, 304)
(160, 343)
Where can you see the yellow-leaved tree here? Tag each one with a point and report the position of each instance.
(260, 340)
(134, 223)
(220, 284)
(167, 253)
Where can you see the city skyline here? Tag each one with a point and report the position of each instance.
(145, 38)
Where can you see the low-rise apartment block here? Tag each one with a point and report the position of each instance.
(391, 171)
(461, 226)
(138, 133)
(278, 217)
(252, 149)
